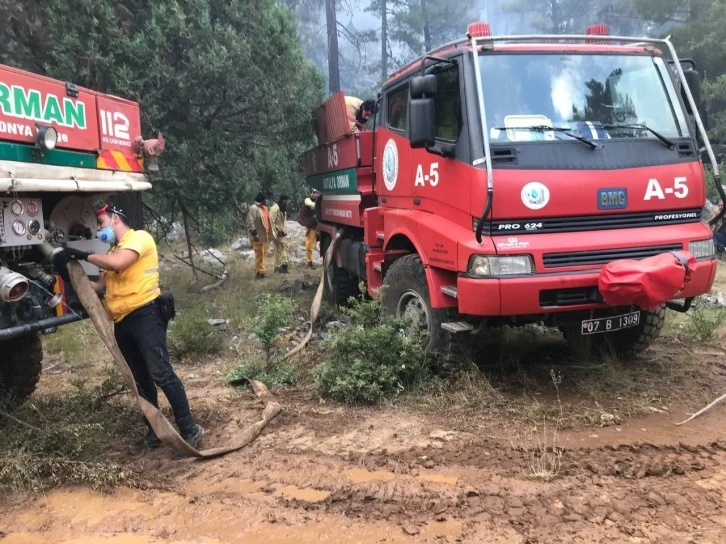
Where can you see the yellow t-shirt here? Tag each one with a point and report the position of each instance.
(138, 285)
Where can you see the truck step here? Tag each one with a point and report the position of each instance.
(381, 235)
(450, 291)
(377, 268)
(457, 326)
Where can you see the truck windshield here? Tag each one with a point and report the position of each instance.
(585, 93)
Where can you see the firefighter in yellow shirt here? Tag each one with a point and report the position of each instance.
(359, 112)
(130, 280)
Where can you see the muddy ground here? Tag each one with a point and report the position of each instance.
(423, 470)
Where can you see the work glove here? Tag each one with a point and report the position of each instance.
(76, 254)
(59, 262)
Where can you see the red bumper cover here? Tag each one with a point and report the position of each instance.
(647, 283)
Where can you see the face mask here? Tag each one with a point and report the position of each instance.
(106, 235)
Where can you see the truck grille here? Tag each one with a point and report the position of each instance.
(549, 225)
(604, 256)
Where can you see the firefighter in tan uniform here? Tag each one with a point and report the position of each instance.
(359, 112)
(278, 219)
(258, 227)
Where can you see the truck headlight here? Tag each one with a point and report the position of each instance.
(703, 249)
(46, 138)
(510, 265)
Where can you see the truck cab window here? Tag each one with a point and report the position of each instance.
(448, 105)
(397, 108)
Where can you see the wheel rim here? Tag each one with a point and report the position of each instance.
(412, 306)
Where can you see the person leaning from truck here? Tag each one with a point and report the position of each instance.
(129, 282)
(258, 227)
(306, 218)
(359, 112)
(278, 220)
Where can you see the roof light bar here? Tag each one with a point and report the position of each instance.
(478, 30)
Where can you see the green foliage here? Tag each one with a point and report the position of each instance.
(217, 229)
(191, 334)
(272, 375)
(372, 360)
(704, 321)
(223, 80)
(275, 313)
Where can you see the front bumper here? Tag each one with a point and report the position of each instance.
(539, 294)
(44, 325)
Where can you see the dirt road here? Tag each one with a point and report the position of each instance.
(326, 473)
(541, 450)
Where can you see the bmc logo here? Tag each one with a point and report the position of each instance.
(612, 199)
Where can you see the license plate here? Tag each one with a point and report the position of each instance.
(609, 324)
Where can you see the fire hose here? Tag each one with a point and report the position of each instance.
(161, 426)
(317, 301)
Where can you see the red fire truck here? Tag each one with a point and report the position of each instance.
(62, 148)
(503, 173)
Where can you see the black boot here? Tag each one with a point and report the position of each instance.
(311, 265)
(284, 270)
(192, 438)
(149, 442)
(259, 276)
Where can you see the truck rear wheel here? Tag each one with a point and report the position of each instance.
(20, 368)
(623, 343)
(406, 295)
(339, 284)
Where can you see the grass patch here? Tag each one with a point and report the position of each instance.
(76, 343)
(62, 439)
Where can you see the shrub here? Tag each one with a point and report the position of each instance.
(372, 360)
(275, 313)
(704, 320)
(191, 334)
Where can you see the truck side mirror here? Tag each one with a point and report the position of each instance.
(693, 78)
(422, 123)
(421, 86)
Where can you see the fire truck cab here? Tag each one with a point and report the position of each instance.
(502, 175)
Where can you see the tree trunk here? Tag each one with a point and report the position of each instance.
(188, 236)
(384, 40)
(332, 26)
(555, 17)
(426, 26)
(698, 9)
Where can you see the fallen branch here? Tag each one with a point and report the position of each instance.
(16, 420)
(703, 410)
(214, 285)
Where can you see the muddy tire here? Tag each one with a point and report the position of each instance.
(406, 295)
(20, 368)
(623, 343)
(339, 284)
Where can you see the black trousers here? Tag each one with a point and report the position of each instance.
(141, 337)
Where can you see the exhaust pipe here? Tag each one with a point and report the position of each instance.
(13, 286)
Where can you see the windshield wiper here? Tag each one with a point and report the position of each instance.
(658, 135)
(545, 128)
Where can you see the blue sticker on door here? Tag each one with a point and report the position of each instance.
(612, 199)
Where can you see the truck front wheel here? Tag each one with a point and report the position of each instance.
(20, 367)
(406, 296)
(623, 343)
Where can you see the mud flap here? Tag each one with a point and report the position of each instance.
(161, 426)
(647, 283)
